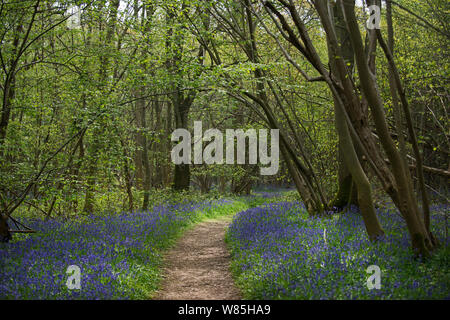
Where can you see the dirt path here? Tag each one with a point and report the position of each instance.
(198, 267)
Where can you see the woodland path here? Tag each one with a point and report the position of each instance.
(198, 266)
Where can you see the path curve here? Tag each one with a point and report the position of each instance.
(198, 266)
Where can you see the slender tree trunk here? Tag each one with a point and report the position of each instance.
(365, 200)
(303, 179)
(408, 204)
(168, 144)
(181, 99)
(347, 191)
(138, 159)
(9, 85)
(300, 184)
(145, 163)
(95, 146)
(156, 150)
(127, 176)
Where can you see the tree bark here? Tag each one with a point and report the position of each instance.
(5, 235)
(347, 193)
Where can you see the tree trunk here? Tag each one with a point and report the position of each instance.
(365, 200)
(347, 193)
(181, 100)
(95, 146)
(5, 235)
(145, 163)
(408, 204)
(138, 159)
(182, 175)
(299, 182)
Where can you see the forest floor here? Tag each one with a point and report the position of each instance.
(198, 266)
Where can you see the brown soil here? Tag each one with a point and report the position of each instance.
(198, 267)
